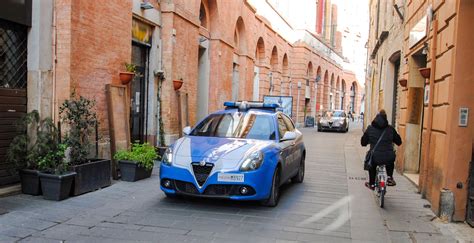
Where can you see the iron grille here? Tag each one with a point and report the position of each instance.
(186, 187)
(13, 54)
(201, 172)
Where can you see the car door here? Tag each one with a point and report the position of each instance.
(285, 149)
(295, 152)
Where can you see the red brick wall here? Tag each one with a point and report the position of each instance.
(94, 40)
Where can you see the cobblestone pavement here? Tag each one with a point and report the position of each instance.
(332, 205)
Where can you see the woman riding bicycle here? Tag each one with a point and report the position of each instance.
(384, 153)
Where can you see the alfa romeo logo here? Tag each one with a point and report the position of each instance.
(202, 163)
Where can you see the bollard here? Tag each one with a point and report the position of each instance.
(446, 205)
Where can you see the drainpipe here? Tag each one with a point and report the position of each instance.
(54, 39)
(429, 122)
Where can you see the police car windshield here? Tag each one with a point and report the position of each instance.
(236, 125)
(330, 114)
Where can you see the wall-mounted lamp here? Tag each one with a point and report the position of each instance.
(424, 51)
(399, 13)
(146, 5)
(318, 78)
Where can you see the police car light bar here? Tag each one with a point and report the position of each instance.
(245, 105)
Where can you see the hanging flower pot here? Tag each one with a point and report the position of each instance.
(177, 84)
(126, 77)
(403, 82)
(425, 72)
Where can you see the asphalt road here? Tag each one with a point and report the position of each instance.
(331, 205)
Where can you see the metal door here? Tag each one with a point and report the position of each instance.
(13, 99)
(138, 96)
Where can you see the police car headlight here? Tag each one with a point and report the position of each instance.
(168, 157)
(252, 162)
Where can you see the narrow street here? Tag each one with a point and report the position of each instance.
(332, 205)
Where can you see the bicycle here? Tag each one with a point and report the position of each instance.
(380, 184)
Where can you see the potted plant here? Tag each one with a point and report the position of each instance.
(137, 163)
(177, 84)
(127, 76)
(56, 181)
(403, 82)
(21, 154)
(425, 72)
(79, 116)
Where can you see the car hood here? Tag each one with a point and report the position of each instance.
(223, 152)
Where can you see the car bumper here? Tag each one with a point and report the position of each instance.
(182, 180)
(332, 128)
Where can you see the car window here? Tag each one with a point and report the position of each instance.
(338, 114)
(282, 129)
(289, 124)
(237, 125)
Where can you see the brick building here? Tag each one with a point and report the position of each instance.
(221, 50)
(420, 72)
(243, 50)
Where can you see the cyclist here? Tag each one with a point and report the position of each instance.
(384, 153)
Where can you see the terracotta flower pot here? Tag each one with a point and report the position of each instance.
(126, 77)
(425, 72)
(403, 82)
(177, 84)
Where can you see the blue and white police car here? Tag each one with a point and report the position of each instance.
(245, 152)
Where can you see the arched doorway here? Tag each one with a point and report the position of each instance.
(343, 94)
(240, 48)
(207, 16)
(307, 94)
(259, 62)
(353, 96)
(318, 97)
(326, 91)
(285, 76)
(272, 76)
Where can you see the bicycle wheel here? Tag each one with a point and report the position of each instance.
(381, 198)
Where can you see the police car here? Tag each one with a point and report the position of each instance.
(245, 152)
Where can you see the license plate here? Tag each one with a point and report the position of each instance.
(228, 177)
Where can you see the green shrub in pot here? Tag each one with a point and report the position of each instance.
(36, 138)
(79, 116)
(137, 163)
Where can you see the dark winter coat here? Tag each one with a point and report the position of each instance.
(384, 153)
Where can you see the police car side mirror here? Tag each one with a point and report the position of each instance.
(187, 130)
(289, 136)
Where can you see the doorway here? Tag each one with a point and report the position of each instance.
(256, 83)
(13, 90)
(306, 107)
(235, 81)
(138, 89)
(414, 123)
(203, 78)
(396, 66)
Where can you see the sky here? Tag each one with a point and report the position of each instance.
(353, 15)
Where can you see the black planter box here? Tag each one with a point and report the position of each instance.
(130, 171)
(30, 182)
(91, 176)
(56, 187)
